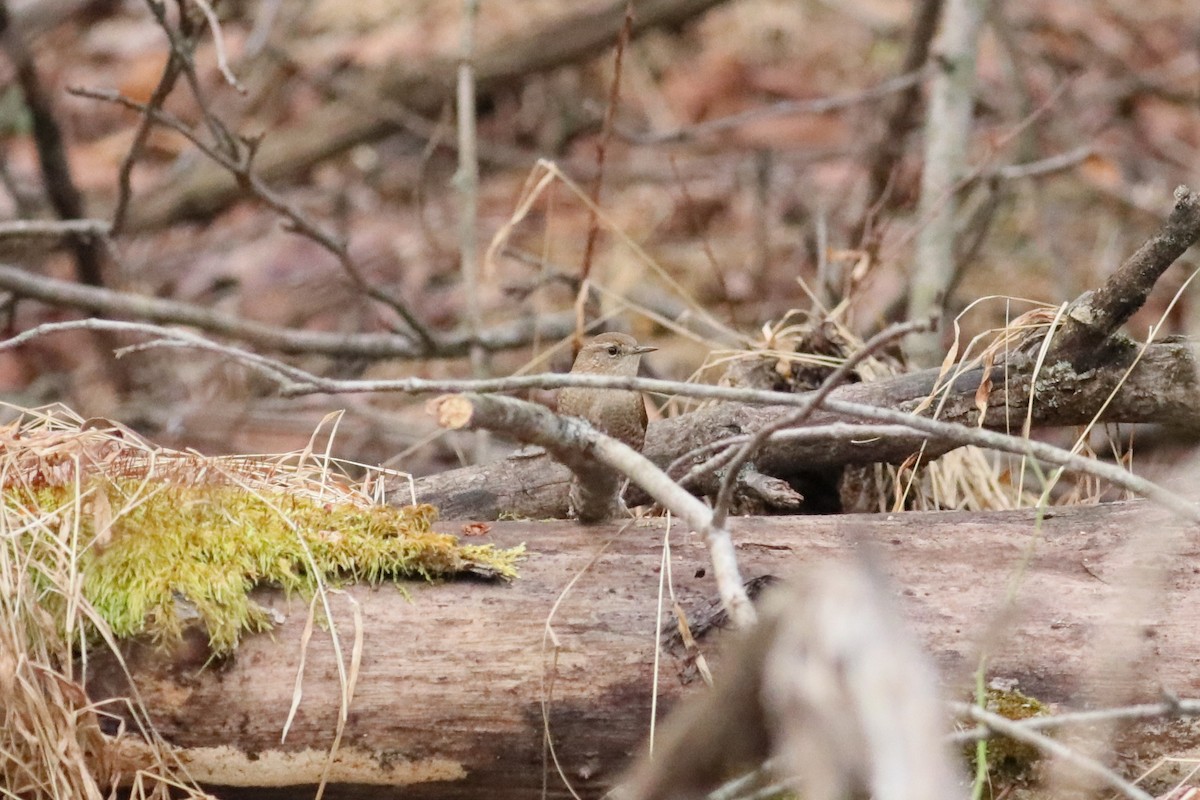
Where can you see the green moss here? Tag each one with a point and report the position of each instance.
(173, 548)
(1010, 760)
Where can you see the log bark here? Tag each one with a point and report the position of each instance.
(448, 698)
(1160, 389)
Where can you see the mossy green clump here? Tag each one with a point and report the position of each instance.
(1006, 757)
(163, 548)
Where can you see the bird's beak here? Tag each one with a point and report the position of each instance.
(637, 351)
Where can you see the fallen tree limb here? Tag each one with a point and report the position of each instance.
(1155, 385)
(448, 697)
(1087, 336)
(1161, 388)
(591, 456)
(372, 345)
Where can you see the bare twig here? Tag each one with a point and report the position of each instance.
(799, 417)
(944, 431)
(606, 130)
(22, 236)
(1169, 708)
(214, 26)
(579, 446)
(830, 432)
(466, 180)
(52, 154)
(663, 304)
(107, 302)
(334, 129)
(983, 169)
(1026, 735)
(296, 381)
(697, 231)
(166, 83)
(1038, 450)
(764, 167)
(240, 165)
(1043, 166)
(822, 105)
(901, 118)
(182, 42)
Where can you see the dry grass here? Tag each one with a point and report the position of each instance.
(86, 508)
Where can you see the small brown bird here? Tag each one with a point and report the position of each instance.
(619, 413)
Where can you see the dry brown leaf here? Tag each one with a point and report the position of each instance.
(985, 387)
(476, 529)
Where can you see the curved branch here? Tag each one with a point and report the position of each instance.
(1095, 316)
(580, 446)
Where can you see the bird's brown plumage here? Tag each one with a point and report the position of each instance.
(619, 413)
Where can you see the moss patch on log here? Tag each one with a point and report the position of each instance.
(154, 554)
(1010, 761)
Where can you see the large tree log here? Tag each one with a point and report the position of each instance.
(1161, 388)
(448, 699)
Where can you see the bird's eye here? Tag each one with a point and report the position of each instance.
(613, 350)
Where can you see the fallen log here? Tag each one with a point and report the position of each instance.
(1159, 388)
(448, 699)
(1090, 375)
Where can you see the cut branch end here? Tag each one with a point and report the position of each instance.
(452, 411)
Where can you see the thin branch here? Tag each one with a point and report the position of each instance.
(741, 786)
(827, 432)
(64, 195)
(578, 445)
(606, 131)
(182, 43)
(466, 179)
(814, 400)
(21, 236)
(901, 118)
(983, 168)
(239, 165)
(166, 83)
(335, 128)
(1025, 735)
(821, 105)
(108, 302)
(1169, 708)
(214, 26)
(1042, 166)
(944, 431)
(1013, 444)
